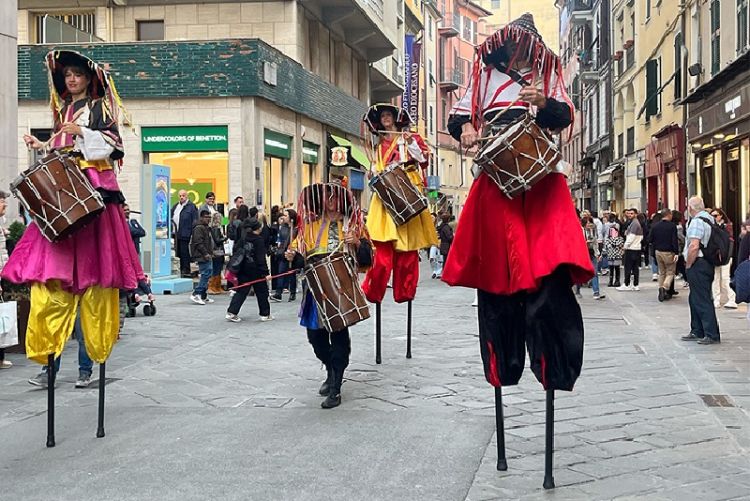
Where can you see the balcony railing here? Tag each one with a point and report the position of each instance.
(451, 78)
(450, 25)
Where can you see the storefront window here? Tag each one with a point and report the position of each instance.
(197, 173)
(275, 168)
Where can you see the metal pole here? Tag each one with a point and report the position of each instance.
(378, 358)
(502, 463)
(102, 382)
(549, 448)
(408, 332)
(51, 400)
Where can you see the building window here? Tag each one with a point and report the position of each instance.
(495, 4)
(150, 30)
(620, 145)
(715, 36)
(648, 10)
(430, 73)
(631, 140)
(678, 66)
(742, 28)
(653, 81)
(443, 115)
(468, 36)
(429, 123)
(429, 28)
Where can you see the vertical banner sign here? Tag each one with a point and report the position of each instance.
(413, 88)
(406, 97)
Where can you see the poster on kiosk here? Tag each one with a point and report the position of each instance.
(156, 248)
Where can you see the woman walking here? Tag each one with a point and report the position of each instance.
(214, 283)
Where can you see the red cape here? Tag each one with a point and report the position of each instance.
(505, 246)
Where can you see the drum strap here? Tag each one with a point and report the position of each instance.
(382, 159)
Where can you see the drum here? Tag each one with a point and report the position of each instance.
(400, 197)
(335, 288)
(58, 195)
(519, 156)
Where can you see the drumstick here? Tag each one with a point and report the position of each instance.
(253, 282)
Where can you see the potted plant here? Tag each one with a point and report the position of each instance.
(20, 293)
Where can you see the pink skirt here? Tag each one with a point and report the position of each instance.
(101, 253)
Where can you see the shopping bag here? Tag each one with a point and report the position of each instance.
(8, 324)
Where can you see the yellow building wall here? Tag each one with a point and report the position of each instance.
(546, 17)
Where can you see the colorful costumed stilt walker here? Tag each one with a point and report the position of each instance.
(77, 252)
(518, 240)
(397, 220)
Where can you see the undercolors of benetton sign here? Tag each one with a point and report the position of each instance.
(178, 139)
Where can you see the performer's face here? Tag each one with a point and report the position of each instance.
(332, 205)
(76, 81)
(386, 119)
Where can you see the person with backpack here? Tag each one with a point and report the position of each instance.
(445, 234)
(248, 263)
(720, 285)
(202, 252)
(700, 255)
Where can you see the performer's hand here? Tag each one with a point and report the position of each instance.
(408, 136)
(32, 141)
(289, 255)
(468, 135)
(71, 128)
(533, 96)
(676, 257)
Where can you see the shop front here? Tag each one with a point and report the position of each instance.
(718, 132)
(197, 156)
(277, 189)
(311, 163)
(348, 164)
(665, 170)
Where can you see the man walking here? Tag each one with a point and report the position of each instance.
(663, 239)
(632, 259)
(202, 250)
(184, 217)
(704, 327)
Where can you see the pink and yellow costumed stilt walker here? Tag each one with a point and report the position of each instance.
(85, 270)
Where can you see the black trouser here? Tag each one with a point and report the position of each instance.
(614, 273)
(182, 249)
(261, 294)
(333, 350)
(275, 260)
(702, 312)
(548, 321)
(632, 262)
(2, 354)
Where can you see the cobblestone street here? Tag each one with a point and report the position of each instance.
(200, 408)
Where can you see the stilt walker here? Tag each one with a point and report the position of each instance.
(397, 220)
(77, 252)
(519, 241)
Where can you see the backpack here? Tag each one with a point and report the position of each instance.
(243, 257)
(718, 250)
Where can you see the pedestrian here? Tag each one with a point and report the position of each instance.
(663, 240)
(704, 327)
(4, 364)
(649, 252)
(614, 248)
(217, 233)
(679, 220)
(249, 262)
(743, 254)
(184, 217)
(720, 286)
(238, 202)
(136, 230)
(286, 233)
(632, 246)
(243, 213)
(209, 204)
(445, 234)
(591, 234)
(272, 243)
(85, 364)
(602, 227)
(202, 251)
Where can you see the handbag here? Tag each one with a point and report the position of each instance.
(8, 324)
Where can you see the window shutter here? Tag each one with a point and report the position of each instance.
(652, 83)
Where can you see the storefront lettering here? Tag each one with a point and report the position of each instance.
(183, 138)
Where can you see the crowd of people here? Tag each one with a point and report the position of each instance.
(620, 245)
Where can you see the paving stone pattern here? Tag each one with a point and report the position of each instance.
(200, 408)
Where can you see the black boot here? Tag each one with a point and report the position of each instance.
(292, 296)
(334, 396)
(662, 294)
(325, 388)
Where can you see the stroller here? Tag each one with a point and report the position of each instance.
(141, 295)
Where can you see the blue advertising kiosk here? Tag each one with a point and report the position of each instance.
(156, 246)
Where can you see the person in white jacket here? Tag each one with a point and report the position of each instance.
(633, 239)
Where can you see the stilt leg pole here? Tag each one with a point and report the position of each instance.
(549, 480)
(51, 400)
(102, 382)
(502, 463)
(378, 358)
(408, 332)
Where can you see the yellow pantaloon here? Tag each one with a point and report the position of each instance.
(52, 319)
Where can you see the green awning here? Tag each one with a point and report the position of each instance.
(357, 154)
